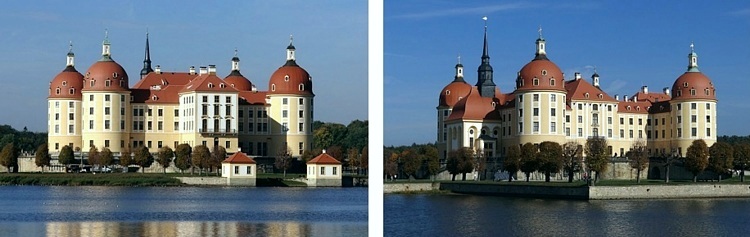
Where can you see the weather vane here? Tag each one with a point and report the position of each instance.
(485, 21)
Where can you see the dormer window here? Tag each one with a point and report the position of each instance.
(586, 95)
(286, 78)
(65, 83)
(107, 83)
(154, 98)
(536, 81)
(601, 96)
(552, 82)
(114, 75)
(232, 85)
(544, 72)
(210, 85)
(222, 85)
(679, 93)
(273, 87)
(447, 92)
(638, 108)
(72, 91)
(628, 108)
(92, 83)
(692, 91)
(57, 91)
(122, 82)
(301, 87)
(685, 84)
(708, 92)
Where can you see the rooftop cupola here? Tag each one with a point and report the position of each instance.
(693, 57)
(106, 56)
(459, 71)
(290, 58)
(71, 56)
(235, 62)
(541, 53)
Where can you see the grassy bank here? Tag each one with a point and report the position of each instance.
(114, 179)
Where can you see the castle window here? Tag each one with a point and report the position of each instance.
(57, 91)
(273, 87)
(107, 83)
(707, 92)
(536, 82)
(65, 83)
(286, 78)
(552, 82)
(692, 91)
(72, 91)
(301, 87)
(544, 72)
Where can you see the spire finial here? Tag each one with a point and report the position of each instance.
(291, 39)
(235, 52)
(595, 70)
(540, 31)
(485, 21)
(70, 47)
(692, 47)
(459, 58)
(106, 33)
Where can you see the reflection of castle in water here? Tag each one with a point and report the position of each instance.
(188, 228)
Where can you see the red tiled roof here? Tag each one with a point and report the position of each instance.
(239, 158)
(324, 159)
(202, 82)
(253, 97)
(577, 90)
(72, 80)
(101, 72)
(640, 107)
(534, 69)
(164, 95)
(450, 95)
(693, 81)
(651, 97)
(476, 107)
(164, 79)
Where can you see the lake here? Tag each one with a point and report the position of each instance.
(466, 215)
(181, 211)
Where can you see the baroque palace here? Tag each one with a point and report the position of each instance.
(99, 108)
(544, 106)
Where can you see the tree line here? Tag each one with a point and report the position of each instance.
(411, 160)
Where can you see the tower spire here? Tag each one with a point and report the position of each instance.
(693, 57)
(235, 62)
(541, 53)
(146, 59)
(459, 71)
(106, 56)
(71, 55)
(485, 85)
(290, 58)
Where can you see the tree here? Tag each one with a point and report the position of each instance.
(126, 159)
(200, 158)
(512, 161)
(529, 162)
(353, 157)
(721, 158)
(550, 158)
(596, 156)
(431, 157)
(93, 156)
(9, 157)
(696, 159)
(479, 161)
(165, 157)
(106, 158)
(308, 155)
(363, 160)
(217, 156)
(42, 157)
(412, 162)
(182, 159)
(460, 162)
(638, 158)
(143, 158)
(390, 167)
(741, 158)
(573, 159)
(336, 153)
(283, 159)
(66, 155)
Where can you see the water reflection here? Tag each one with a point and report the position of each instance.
(182, 229)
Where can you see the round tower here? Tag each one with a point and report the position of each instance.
(540, 99)
(290, 92)
(449, 96)
(106, 104)
(693, 106)
(64, 107)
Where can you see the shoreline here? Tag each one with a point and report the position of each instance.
(579, 192)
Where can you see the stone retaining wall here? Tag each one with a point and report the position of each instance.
(409, 187)
(203, 180)
(670, 191)
(517, 190)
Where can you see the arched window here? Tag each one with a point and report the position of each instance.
(601, 96)
(114, 75)
(65, 83)
(286, 78)
(301, 87)
(273, 87)
(92, 83)
(707, 92)
(210, 85)
(72, 91)
(57, 91)
(154, 98)
(586, 95)
(536, 81)
(222, 85)
(447, 92)
(685, 84)
(628, 107)
(552, 82)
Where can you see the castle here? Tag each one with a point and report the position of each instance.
(544, 106)
(99, 108)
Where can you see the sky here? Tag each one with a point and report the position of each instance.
(330, 39)
(629, 43)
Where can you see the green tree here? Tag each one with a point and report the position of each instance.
(200, 157)
(94, 156)
(126, 159)
(529, 162)
(182, 159)
(597, 156)
(721, 158)
(412, 162)
(696, 159)
(143, 158)
(356, 135)
(363, 160)
(741, 158)
(479, 162)
(42, 157)
(336, 153)
(353, 158)
(460, 162)
(430, 156)
(66, 155)
(9, 157)
(165, 157)
(322, 137)
(106, 158)
(217, 156)
(390, 165)
(550, 158)
(573, 159)
(638, 158)
(308, 155)
(283, 159)
(512, 161)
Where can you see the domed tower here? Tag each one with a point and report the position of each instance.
(291, 96)
(106, 104)
(64, 107)
(449, 96)
(540, 99)
(693, 107)
(235, 79)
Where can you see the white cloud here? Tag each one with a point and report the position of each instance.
(464, 11)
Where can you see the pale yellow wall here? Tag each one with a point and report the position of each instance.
(63, 136)
(295, 133)
(99, 134)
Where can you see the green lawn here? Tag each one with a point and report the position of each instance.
(113, 179)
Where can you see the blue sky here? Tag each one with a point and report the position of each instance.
(330, 37)
(631, 44)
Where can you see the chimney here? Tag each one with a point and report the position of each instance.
(666, 91)
(635, 98)
(617, 97)
(192, 70)
(626, 97)
(203, 70)
(157, 69)
(239, 149)
(644, 89)
(324, 151)
(254, 89)
(578, 76)
(212, 69)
